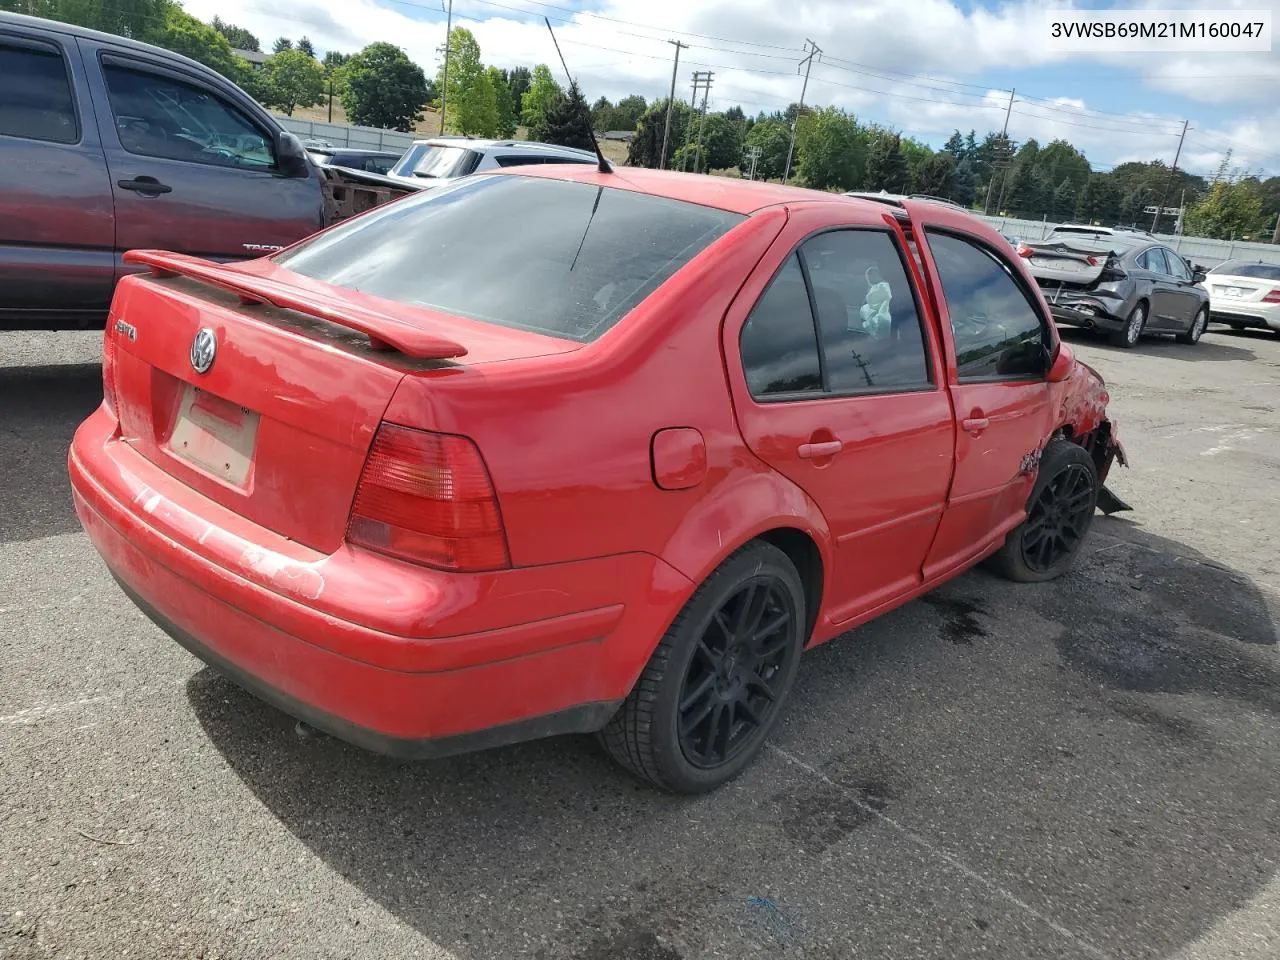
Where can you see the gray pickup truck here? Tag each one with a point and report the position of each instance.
(108, 145)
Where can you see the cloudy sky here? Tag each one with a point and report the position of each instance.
(925, 67)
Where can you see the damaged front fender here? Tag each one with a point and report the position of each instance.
(1083, 414)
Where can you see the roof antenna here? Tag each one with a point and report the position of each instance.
(602, 164)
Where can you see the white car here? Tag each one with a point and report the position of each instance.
(440, 160)
(1245, 293)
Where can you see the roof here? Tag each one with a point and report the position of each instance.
(517, 145)
(724, 193)
(253, 56)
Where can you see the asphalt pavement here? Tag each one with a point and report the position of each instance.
(1088, 768)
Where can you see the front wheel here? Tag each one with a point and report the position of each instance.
(1196, 330)
(1129, 335)
(716, 683)
(1059, 513)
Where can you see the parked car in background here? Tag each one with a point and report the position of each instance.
(440, 160)
(368, 477)
(107, 145)
(1245, 293)
(371, 161)
(1123, 283)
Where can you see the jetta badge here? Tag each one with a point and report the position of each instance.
(203, 350)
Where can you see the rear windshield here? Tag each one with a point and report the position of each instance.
(550, 256)
(433, 161)
(1243, 268)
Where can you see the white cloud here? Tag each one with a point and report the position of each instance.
(758, 45)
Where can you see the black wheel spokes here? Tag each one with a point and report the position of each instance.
(1058, 518)
(729, 691)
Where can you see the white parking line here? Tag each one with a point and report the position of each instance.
(947, 858)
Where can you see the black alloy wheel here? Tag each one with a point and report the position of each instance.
(718, 680)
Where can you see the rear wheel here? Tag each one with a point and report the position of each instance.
(1128, 335)
(1196, 330)
(716, 683)
(1059, 513)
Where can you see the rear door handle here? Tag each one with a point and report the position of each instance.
(975, 424)
(145, 185)
(812, 451)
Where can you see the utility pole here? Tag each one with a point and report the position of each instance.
(698, 80)
(706, 92)
(1004, 138)
(671, 102)
(753, 154)
(444, 83)
(1169, 180)
(807, 63)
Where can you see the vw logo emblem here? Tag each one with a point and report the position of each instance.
(203, 350)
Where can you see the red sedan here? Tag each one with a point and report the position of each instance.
(561, 450)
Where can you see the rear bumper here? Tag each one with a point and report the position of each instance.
(473, 661)
(1254, 320)
(1087, 311)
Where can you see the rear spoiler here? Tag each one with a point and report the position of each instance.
(384, 331)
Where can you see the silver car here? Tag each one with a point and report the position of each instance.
(440, 160)
(1245, 293)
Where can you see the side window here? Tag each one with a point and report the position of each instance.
(779, 345)
(518, 161)
(35, 95)
(867, 319)
(1154, 261)
(160, 117)
(1177, 266)
(996, 327)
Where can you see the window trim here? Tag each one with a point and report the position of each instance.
(1173, 259)
(110, 58)
(932, 382)
(39, 45)
(1019, 282)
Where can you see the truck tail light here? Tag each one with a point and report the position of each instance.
(427, 498)
(1272, 297)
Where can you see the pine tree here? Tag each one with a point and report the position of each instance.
(955, 145)
(886, 166)
(568, 122)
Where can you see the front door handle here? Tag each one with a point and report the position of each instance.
(814, 451)
(975, 424)
(147, 186)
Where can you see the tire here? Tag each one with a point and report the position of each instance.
(647, 737)
(1129, 335)
(1196, 331)
(1067, 480)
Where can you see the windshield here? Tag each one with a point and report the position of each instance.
(582, 258)
(1243, 268)
(435, 161)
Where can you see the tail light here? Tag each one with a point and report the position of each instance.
(1024, 251)
(1093, 261)
(427, 498)
(109, 372)
(1272, 297)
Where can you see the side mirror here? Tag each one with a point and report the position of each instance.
(1064, 362)
(291, 156)
(1198, 275)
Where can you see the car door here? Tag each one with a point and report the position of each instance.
(838, 390)
(1185, 297)
(57, 222)
(1165, 301)
(998, 349)
(192, 170)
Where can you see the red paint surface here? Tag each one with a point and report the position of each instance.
(579, 441)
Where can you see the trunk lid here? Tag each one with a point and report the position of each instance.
(1077, 264)
(278, 426)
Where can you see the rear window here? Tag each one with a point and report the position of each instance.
(433, 161)
(1242, 268)
(554, 257)
(35, 97)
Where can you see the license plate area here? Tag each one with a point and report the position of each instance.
(215, 435)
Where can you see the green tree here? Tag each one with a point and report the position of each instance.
(936, 176)
(567, 122)
(772, 135)
(886, 166)
(126, 18)
(504, 107)
(294, 79)
(383, 88)
(542, 94)
(955, 146)
(305, 46)
(518, 79)
(333, 60)
(1064, 200)
(1100, 200)
(238, 37)
(1061, 161)
(1231, 210)
(184, 34)
(628, 112)
(471, 106)
(964, 189)
(832, 150)
(282, 43)
(647, 143)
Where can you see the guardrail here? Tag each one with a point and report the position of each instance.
(345, 135)
(1201, 250)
